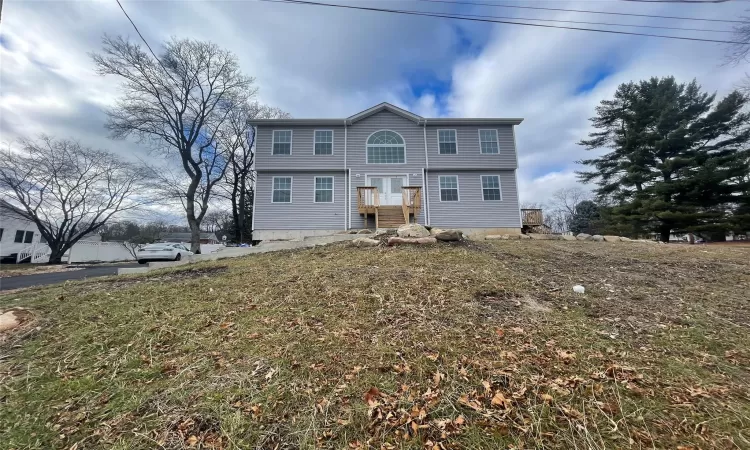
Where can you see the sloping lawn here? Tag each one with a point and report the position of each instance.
(472, 345)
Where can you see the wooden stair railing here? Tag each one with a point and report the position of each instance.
(411, 202)
(368, 202)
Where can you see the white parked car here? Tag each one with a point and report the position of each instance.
(162, 252)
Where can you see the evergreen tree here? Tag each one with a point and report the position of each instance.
(678, 162)
(584, 217)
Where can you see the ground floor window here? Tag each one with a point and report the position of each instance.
(491, 187)
(19, 236)
(448, 188)
(282, 190)
(323, 189)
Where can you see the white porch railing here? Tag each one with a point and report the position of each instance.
(36, 253)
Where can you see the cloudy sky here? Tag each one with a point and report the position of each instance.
(330, 62)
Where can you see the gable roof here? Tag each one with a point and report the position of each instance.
(419, 120)
(383, 107)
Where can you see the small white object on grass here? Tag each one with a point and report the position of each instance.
(578, 289)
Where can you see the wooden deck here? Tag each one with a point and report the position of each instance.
(389, 216)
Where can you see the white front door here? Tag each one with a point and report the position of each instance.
(389, 187)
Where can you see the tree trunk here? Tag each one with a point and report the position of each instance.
(664, 232)
(195, 226)
(56, 255)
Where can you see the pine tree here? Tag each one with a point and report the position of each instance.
(678, 162)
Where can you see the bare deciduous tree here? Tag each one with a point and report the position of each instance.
(67, 190)
(179, 103)
(238, 138)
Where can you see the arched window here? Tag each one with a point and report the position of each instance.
(386, 147)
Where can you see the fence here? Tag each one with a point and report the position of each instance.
(87, 251)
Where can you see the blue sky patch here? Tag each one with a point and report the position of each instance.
(594, 76)
(5, 42)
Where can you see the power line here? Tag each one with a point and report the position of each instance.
(139, 34)
(508, 22)
(592, 23)
(502, 5)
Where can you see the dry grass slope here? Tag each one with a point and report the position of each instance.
(474, 345)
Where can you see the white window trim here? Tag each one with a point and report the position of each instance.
(438, 141)
(367, 149)
(291, 190)
(497, 140)
(332, 141)
(333, 188)
(440, 190)
(273, 142)
(499, 186)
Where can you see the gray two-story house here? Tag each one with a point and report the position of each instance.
(381, 168)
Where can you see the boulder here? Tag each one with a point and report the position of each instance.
(365, 242)
(420, 240)
(412, 230)
(434, 231)
(448, 235)
(364, 231)
(625, 239)
(583, 237)
(597, 238)
(9, 320)
(568, 237)
(524, 236)
(610, 238)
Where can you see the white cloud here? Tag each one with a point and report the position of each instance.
(320, 62)
(535, 74)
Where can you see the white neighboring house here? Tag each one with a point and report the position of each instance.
(18, 235)
(21, 241)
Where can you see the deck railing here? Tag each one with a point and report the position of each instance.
(411, 201)
(368, 199)
(532, 217)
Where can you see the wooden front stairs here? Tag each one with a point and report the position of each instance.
(389, 216)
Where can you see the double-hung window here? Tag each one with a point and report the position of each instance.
(282, 142)
(488, 141)
(447, 144)
(491, 187)
(282, 190)
(448, 188)
(19, 237)
(323, 189)
(324, 142)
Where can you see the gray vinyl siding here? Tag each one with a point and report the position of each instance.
(357, 155)
(303, 149)
(471, 211)
(469, 155)
(303, 213)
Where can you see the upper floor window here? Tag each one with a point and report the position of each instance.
(491, 187)
(488, 141)
(447, 144)
(386, 147)
(282, 190)
(448, 188)
(282, 142)
(323, 189)
(324, 142)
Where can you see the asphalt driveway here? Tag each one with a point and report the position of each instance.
(44, 279)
